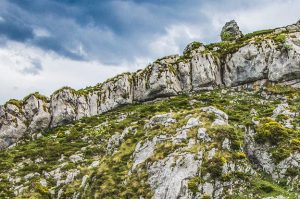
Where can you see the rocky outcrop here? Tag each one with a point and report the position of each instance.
(249, 62)
(231, 31)
(169, 177)
(266, 60)
(212, 144)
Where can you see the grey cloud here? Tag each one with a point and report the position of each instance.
(35, 68)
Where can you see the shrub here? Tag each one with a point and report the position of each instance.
(193, 184)
(257, 33)
(227, 36)
(270, 131)
(239, 155)
(235, 135)
(214, 166)
(280, 89)
(280, 38)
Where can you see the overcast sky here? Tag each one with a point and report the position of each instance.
(47, 44)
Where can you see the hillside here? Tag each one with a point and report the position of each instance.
(220, 121)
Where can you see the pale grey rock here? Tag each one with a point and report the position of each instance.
(292, 28)
(30, 175)
(19, 189)
(248, 64)
(231, 31)
(84, 180)
(94, 164)
(62, 158)
(284, 65)
(71, 175)
(275, 197)
(282, 109)
(219, 122)
(206, 72)
(265, 61)
(143, 151)
(192, 46)
(249, 67)
(83, 108)
(226, 144)
(280, 30)
(293, 161)
(185, 75)
(12, 128)
(164, 119)
(263, 158)
(43, 182)
(76, 158)
(116, 140)
(167, 177)
(93, 102)
(202, 135)
(180, 136)
(63, 107)
(116, 92)
(221, 117)
(59, 193)
(211, 153)
(259, 153)
(192, 122)
(253, 112)
(208, 188)
(157, 80)
(39, 160)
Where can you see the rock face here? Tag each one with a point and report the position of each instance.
(212, 144)
(231, 31)
(168, 177)
(272, 57)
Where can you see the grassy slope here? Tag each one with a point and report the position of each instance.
(89, 137)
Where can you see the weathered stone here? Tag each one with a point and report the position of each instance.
(63, 107)
(221, 117)
(164, 119)
(251, 66)
(231, 31)
(167, 177)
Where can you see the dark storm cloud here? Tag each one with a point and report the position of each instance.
(112, 31)
(15, 29)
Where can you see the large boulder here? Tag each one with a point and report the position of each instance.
(115, 92)
(63, 106)
(37, 113)
(12, 125)
(231, 31)
(157, 80)
(276, 62)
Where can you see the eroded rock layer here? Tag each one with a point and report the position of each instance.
(250, 61)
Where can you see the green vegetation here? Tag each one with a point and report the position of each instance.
(281, 89)
(193, 184)
(214, 166)
(284, 140)
(227, 36)
(280, 38)
(257, 33)
(36, 95)
(111, 179)
(15, 102)
(226, 131)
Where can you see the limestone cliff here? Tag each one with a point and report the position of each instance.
(249, 61)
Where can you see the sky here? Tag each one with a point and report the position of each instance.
(48, 44)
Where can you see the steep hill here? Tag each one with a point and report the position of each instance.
(220, 121)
